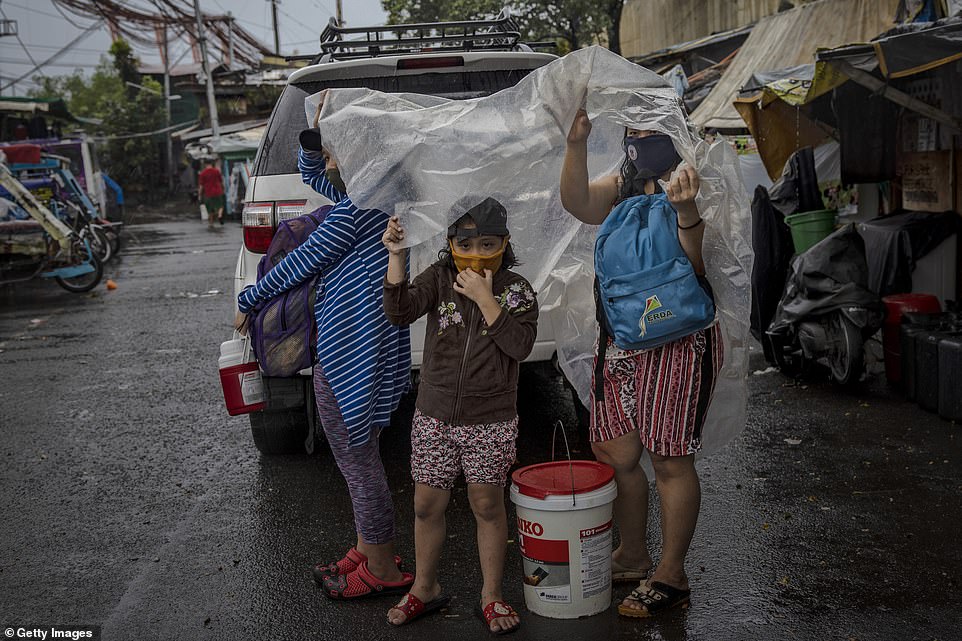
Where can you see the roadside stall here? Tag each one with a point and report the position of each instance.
(894, 107)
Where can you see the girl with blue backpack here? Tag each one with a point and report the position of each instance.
(363, 367)
(659, 351)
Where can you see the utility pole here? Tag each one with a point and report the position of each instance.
(340, 14)
(205, 66)
(277, 34)
(170, 144)
(230, 40)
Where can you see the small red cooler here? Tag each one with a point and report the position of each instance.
(240, 377)
(895, 306)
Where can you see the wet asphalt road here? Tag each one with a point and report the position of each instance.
(132, 501)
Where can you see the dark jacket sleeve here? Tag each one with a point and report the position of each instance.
(516, 329)
(405, 302)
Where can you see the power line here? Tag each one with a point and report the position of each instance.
(324, 7)
(43, 13)
(55, 47)
(27, 51)
(89, 65)
(49, 60)
(297, 23)
(65, 16)
(179, 125)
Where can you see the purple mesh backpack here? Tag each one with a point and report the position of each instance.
(283, 330)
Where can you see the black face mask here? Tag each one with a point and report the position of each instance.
(334, 177)
(652, 155)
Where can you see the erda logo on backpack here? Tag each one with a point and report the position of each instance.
(647, 287)
(652, 315)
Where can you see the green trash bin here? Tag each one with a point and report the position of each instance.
(809, 227)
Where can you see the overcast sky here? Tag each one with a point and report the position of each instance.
(44, 31)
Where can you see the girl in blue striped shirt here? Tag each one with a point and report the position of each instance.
(363, 368)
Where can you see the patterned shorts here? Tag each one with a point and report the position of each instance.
(663, 393)
(440, 451)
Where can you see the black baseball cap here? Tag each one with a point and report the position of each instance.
(489, 215)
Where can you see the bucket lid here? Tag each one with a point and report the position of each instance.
(555, 478)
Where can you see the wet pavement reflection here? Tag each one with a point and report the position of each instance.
(134, 502)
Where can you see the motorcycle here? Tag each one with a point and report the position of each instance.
(44, 246)
(827, 311)
(814, 307)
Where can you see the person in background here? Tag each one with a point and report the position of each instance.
(211, 191)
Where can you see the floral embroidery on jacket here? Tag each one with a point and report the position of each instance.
(448, 315)
(517, 297)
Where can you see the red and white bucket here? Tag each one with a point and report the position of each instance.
(564, 532)
(240, 377)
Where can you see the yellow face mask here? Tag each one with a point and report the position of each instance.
(476, 262)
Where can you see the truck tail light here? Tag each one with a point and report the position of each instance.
(258, 220)
(288, 209)
(261, 219)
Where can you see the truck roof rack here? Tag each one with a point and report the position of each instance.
(498, 34)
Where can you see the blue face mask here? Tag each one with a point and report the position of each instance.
(652, 155)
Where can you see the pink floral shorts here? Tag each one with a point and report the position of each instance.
(440, 451)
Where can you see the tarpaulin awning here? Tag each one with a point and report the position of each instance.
(768, 107)
(906, 50)
(245, 141)
(769, 100)
(788, 39)
(655, 58)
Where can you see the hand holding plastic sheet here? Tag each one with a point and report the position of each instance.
(428, 159)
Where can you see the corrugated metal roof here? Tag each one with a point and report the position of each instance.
(791, 38)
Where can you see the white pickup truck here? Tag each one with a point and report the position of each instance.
(454, 60)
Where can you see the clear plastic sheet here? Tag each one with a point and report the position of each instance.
(428, 159)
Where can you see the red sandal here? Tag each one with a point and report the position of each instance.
(414, 608)
(348, 564)
(361, 583)
(497, 610)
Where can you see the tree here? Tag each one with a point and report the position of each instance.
(88, 97)
(571, 23)
(126, 64)
(126, 111)
(408, 11)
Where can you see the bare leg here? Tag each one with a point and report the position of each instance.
(429, 533)
(487, 502)
(680, 493)
(631, 505)
(380, 560)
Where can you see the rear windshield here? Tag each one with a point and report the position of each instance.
(278, 150)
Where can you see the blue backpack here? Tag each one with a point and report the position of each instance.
(646, 286)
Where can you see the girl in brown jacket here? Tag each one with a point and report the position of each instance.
(482, 322)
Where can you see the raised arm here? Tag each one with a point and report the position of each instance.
(682, 189)
(332, 239)
(588, 202)
(405, 302)
(312, 165)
